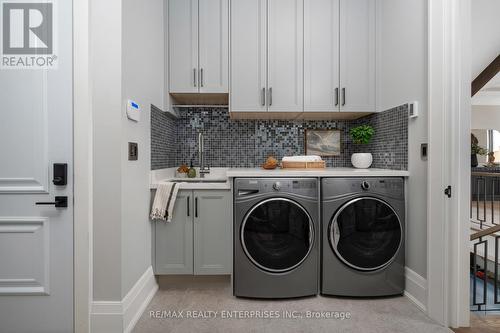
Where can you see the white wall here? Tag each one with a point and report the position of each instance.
(106, 48)
(402, 77)
(127, 52)
(143, 69)
(486, 117)
(485, 34)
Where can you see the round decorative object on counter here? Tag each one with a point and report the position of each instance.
(362, 160)
(180, 174)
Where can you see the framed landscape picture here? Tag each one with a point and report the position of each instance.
(323, 142)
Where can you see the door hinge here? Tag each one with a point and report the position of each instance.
(447, 191)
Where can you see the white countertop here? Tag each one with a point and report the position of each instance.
(215, 180)
(219, 178)
(327, 172)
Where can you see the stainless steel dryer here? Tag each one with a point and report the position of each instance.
(363, 226)
(276, 237)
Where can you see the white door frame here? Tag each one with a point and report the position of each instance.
(449, 161)
(449, 104)
(83, 166)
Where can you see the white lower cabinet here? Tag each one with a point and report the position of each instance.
(198, 240)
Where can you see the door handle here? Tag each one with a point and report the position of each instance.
(247, 192)
(263, 97)
(196, 207)
(187, 206)
(60, 202)
(336, 96)
(343, 96)
(271, 96)
(194, 77)
(201, 77)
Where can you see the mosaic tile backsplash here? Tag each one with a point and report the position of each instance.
(247, 143)
(163, 140)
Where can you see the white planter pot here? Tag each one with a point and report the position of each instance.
(362, 160)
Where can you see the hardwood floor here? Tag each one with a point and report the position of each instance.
(481, 323)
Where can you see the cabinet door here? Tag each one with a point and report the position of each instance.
(321, 55)
(213, 46)
(212, 232)
(357, 55)
(248, 55)
(183, 46)
(174, 240)
(285, 55)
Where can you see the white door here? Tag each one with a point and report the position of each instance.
(285, 55)
(248, 55)
(214, 46)
(321, 55)
(357, 55)
(36, 241)
(183, 46)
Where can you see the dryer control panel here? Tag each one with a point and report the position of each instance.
(332, 187)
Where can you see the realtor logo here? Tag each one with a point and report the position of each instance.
(28, 34)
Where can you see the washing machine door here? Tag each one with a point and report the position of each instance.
(366, 234)
(277, 235)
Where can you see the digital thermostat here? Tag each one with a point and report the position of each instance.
(133, 110)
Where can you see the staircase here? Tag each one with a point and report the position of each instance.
(486, 75)
(485, 241)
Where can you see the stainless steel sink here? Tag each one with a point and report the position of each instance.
(198, 180)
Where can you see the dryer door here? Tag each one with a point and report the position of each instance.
(366, 234)
(277, 235)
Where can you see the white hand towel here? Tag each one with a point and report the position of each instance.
(302, 158)
(163, 204)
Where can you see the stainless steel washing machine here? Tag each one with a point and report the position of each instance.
(363, 242)
(276, 237)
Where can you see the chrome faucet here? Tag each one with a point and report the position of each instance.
(201, 155)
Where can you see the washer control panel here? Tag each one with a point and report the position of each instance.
(253, 186)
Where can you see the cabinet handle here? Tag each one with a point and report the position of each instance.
(263, 97)
(336, 96)
(343, 96)
(194, 77)
(201, 77)
(188, 206)
(270, 96)
(196, 207)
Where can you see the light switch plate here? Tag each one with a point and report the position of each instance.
(133, 151)
(424, 151)
(413, 109)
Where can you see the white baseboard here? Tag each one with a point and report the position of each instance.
(416, 289)
(121, 316)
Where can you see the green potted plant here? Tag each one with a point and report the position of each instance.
(362, 135)
(475, 150)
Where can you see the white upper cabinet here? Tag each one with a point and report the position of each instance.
(358, 55)
(248, 55)
(213, 46)
(321, 55)
(198, 46)
(285, 56)
(267, 55)
(303, 55)
(183, 46)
